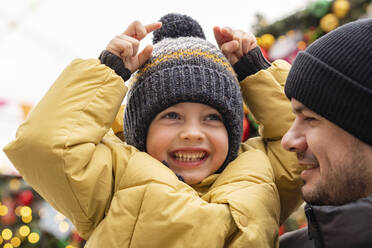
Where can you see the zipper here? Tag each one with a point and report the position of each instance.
(313, 229)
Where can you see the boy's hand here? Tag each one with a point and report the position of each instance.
(126, 45)
(234, 43)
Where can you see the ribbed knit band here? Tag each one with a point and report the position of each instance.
(333, 78)
(251, 63)
(115, 63)
(185, 69)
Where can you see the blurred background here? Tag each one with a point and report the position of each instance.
(39, 38)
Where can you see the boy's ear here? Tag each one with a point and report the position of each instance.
(117, 125)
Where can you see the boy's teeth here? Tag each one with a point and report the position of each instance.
(189, 156)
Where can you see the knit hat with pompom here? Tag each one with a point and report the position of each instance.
(184, 67)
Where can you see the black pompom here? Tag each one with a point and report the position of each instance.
(176, 25)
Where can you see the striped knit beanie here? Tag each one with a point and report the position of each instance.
(184, 67)
(333, 78)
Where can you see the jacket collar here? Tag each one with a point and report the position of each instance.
(347, 226)
(204, 186)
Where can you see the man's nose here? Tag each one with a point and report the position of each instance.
(294, 140)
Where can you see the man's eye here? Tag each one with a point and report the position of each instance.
(309, 119)
(214, 117)
(171, 115)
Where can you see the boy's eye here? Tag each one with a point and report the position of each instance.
(214, 117)
(171, 115)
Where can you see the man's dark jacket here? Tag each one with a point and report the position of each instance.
(345, 226)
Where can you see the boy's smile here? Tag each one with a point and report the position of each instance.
(189, 157)
(191, 138)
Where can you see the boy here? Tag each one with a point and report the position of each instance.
(183, 122)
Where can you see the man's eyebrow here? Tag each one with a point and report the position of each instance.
(298, 109)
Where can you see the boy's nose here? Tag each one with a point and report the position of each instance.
(294, 140)
(192, 132)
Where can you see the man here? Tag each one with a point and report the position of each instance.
(330, 87)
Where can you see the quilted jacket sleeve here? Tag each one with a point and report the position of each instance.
(264, 95)
(62, 136)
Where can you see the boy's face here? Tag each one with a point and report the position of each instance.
(191, 138)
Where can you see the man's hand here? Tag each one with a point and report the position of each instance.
(126, 45)
(234, 43)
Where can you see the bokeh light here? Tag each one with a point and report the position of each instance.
(15, 241)
(7, 234)
(33, 237)
(63, 226)
(8, 245)
(3, 210)
(27, 219)
(26, 211)
(14, 184)
(24, 230)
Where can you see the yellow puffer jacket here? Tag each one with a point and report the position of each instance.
(117, 196)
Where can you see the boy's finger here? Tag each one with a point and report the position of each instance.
(131, 29)
(230, 47)
(152, 27)
(120, 47)
(218, 35)
(134, 42)
(139, 31)
(233, 59)
(144, 55)
(246, 43)
(252, 41)
(228, 33)
(127, 51)
(142, 31)
(253, 45)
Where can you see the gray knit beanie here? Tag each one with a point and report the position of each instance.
(333, 77)
(184, 67)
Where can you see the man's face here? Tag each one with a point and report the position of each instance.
(191, 138)
(337, 166)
